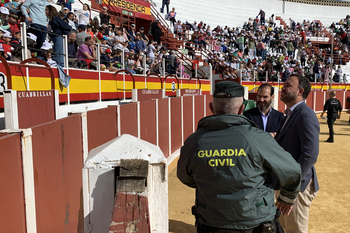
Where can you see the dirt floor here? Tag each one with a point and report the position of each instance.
(330, 210)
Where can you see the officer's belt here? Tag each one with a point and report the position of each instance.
(204, 228)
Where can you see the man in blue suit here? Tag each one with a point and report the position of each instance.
(299, 135)
(265, 116)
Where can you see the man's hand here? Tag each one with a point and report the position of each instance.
(29, 19)
(284, 208)
(273, 134)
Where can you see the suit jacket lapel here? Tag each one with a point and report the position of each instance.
(289, 122)
(258, 120)
(271, 118)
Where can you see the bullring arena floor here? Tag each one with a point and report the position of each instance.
(330, 210)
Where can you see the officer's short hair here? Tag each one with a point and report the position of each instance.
(226, 105)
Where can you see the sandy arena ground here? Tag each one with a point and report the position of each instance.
(330, 210)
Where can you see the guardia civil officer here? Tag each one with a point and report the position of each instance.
(228, 160)
(333, 109)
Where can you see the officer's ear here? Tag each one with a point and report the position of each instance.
(211, 107)
(241, 109)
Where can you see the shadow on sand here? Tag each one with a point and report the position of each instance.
(180, 227)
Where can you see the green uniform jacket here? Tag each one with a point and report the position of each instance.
(229, 160)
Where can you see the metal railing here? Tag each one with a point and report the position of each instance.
(156, 14)
(65, 53)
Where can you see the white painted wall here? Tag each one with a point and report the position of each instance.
(99, 182)
(234, 13)
(64, 110)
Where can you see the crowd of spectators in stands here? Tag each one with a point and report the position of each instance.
(84, 36)
(259, 49)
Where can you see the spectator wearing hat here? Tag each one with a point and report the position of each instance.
(108, 60)
(132, 32)
(109, 32)
(16, 38)
(37, 19)
(66, 11)
(47, 53)
(4, 18)
(104, 16)
(59, 28)
(156, 31)
(165, 3)
(6, 45)
(104, 45)
(143, 35)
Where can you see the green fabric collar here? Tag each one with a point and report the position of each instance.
(218, 122)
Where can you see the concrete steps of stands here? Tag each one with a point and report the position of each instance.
(281, 21)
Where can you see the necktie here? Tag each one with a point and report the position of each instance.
(288, 112)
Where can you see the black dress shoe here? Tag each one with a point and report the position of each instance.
(328, 140)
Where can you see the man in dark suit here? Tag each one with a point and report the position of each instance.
(299, 135)
(265, 116)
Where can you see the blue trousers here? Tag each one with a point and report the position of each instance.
(165, 3)
(58, 48)
(263, 54)
(40, 35)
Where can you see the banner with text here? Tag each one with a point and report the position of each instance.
(139, 9)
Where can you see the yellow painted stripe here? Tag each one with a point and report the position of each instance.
(81, 86)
